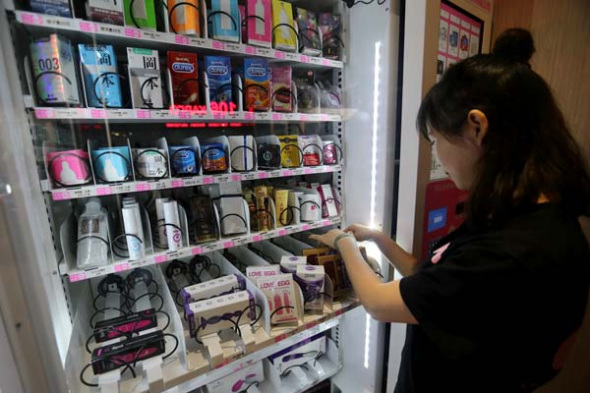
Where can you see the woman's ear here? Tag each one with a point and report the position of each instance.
(476, 127)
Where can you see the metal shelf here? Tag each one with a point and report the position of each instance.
(90, 115)
(61, 194)
(124, 265)
(130, 36)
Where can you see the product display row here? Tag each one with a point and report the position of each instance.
(193, 157)
(207, 300)
(263, 23)
(222, 84)
(113, 229)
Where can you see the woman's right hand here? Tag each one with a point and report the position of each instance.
(362, 233)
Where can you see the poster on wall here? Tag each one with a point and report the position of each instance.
(459, 37)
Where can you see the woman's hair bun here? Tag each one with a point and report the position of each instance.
(515, 44)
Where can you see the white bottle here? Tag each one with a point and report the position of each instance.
(172, 220)
(133, 226)
(259, 11)
(92, 227)
(162, 238)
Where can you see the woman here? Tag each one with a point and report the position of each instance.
(495, 307)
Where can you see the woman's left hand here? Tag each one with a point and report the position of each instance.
(327, 239)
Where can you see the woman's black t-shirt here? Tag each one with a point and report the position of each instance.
(497, 308)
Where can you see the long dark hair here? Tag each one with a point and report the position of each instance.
(528, 150)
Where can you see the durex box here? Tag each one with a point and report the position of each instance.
(184, 77)
(259, 23)
(101, 79)
(106, 11)
(51, 7)
(218, 69)
(144, 78)
(54, 71)
(225, 20)
(257, 85)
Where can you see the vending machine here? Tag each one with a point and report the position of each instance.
(163, 164)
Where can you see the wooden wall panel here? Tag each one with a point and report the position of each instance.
(561, 30)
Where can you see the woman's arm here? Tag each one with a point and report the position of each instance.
(403, 261)
(383, 301)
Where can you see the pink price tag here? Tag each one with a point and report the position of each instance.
(77, 277)
(305, 227)
(184, 114)
(327, 169)
(161, 258)
(236, 177)
(326, 223)
(250, 50)
(279, 55)
(181, 40)
(307, 171)
(218, 45)
(197, 250)
(61, 196)
(256, 238)
(304, 59)
(303, 117)
(88, 27)
(143, 114)
(121, 267)
(282, 232)
(208, 180)
(133, 33)
(44, 113)
(98, 114)
(288, 172)
(177, 183)
(32, 19)
(104, 191)
(218, 115)
(228, 244)
(249, 116)
(277, 116)
(142, 187)
(326, 62)
(262, 175)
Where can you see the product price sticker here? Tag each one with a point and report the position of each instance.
(257, 238)
(173, 255)
(144, 186)
(182, 40)
(264, 52)
(305, 227)
(160, 185)
(88, 27)
(124, 188)
(263, 116)
(289, 116)
(81, 193)
(102, 271)
(212, 247)
(249, 116)
(233, 48)
(279, 55)
(193, 181)
(308, 171)
(208, 180)
(222, 178)
(44, 113)
(218, 45)
(262, 175)
(277, 116)
(298, 171)
(250, 176)
(276, 173)
(316, 60)
(161, 258)
(58, 22)
(200, 42)
(120, 114)
(237, 177)
(282, 232)
(104, 190)
(110, 29)
(229, 244)
(132, 33)
(77, 277)
(61, 195)
(143, 114)
(31, 19)
(305, 59)
(242, 240)
(196, 250)
(250, 50)
(121, 267)
(177, 183)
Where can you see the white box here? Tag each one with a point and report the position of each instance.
(238, 381)
(206, 314)
(280, 292)
(212, 288)
(144, 78)
(289, 263)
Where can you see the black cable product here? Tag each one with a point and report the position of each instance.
(151, 295)
(310, 297)
(256, 319)
(282, 25)
(249, 386)
(103, 310)
(94, 385)
(84, 160)
(116, 239)
(287, 371)
(222, 318)
(117, 154)
(288, 209)
(311, 41)
(101, 100)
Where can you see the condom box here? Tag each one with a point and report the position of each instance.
(106, 11)
(184, 77)
(224, 20)
(257, 85)
(311, 42)
(143, 14)
(54, 71)
(212, 288)
(281, 96)
(186, 17)
(144, 77)
(211, 315)
(238, 381)
(259, 24)
(101, 79)
(298, 354)
(51, 7)
(331, 27)
(218, 69)
(284, 37)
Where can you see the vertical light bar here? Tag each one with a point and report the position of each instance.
(376, 83)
